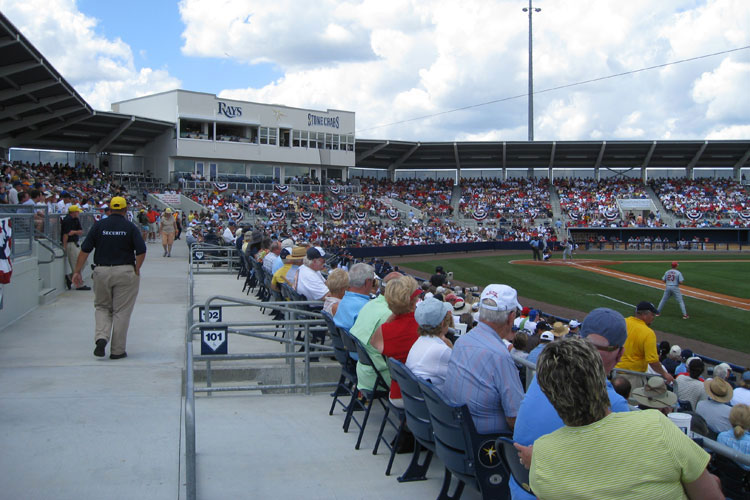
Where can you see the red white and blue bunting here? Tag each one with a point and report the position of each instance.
(361, 216)
(574, 216)
(306, 215)
(278, 215)
(6, 266)
(745, 214)
(236, 216)
(693, 214)
(480, 214)
(221, 186)
(282, 188)
(337, 214)
(611, 215)
(392, 214)
(335, 189)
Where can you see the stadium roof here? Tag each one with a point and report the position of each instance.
(384, 154)
(39, 109)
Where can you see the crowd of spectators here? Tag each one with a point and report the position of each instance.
(589, 202)
(710, 202)
(510, 199)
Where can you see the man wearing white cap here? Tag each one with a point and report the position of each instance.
(310, 282)
(481, 372)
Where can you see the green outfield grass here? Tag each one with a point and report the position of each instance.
(585, 290)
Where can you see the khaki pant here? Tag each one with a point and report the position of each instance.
(72, 251)
(115, 291)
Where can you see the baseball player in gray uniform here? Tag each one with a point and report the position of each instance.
(568, 250)
(673, 278)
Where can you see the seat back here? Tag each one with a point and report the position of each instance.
(516, 468)
(380, 384)
(342, 356)
(469, 455)
(417, 414)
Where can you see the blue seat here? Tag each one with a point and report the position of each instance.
(516, 468)
(418, 421)
(379, 392)
(468, 455)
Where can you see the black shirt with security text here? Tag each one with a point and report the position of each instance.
(117, 241)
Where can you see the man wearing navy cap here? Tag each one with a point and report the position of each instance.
(603, 327)
(640, 348)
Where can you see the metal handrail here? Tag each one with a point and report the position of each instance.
(51, 248)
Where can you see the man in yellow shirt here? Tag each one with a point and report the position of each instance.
(640, 347)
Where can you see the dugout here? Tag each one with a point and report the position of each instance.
(718, 238)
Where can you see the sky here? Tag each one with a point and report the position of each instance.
(404, 66)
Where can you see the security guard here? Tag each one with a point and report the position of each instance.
(70, 231)
(120, 252)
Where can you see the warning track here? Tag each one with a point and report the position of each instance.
(599, 267)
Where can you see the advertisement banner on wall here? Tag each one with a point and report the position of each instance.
(169, 199)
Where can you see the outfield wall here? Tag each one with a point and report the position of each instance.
(718, 235)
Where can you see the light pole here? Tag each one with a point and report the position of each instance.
(531, 11)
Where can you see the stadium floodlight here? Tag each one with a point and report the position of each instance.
(531, 11)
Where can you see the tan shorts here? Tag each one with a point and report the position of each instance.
(167, 238)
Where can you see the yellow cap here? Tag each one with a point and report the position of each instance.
(118, 203)
(168, 210)
(74, 208)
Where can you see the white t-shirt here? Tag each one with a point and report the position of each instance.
(311, 283)
(428, 359)
(741, 397)
(228, 236)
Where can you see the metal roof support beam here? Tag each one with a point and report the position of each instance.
(104, 143)
(743, 160)
(12, 69)
(28, 106)
(650, 153)
(599, 160)
(31, 120)
(404, 157)
(33, 134)
(8, 41)
(695, 159)
(552, 156)
(27, 89)
(458, 160)
(370, 152)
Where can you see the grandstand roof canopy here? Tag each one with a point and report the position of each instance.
(384, 154)
(39, 109)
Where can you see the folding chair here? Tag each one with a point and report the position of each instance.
(418, 421)
(379, 391)
(468, 455)
(347, 384)
(516, 468)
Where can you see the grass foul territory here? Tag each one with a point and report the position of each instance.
(716, 287)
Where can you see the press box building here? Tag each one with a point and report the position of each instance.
(229, 140)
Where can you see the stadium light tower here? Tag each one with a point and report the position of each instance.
(531, 11)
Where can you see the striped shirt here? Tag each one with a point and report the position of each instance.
(634, 455)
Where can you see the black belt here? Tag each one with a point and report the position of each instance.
(113, 265)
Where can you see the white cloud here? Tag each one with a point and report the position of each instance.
(101, 70)
(455, 54)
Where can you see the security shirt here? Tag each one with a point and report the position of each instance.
(117, 242)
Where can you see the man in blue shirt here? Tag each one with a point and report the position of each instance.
(361, 279)
(606, 329)
(481, 372)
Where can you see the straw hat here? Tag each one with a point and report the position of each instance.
(654, 394)
(718, 389)
(559, 330)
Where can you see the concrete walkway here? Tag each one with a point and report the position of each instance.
(73, 426)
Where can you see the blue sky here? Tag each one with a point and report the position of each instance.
(153, 29)
(391, 61)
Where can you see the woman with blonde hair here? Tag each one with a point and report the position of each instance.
(739, 436)
(337, 283)
(395, 337)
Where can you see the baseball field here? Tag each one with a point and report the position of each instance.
(716, 288)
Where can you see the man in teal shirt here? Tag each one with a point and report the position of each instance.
(371, 316)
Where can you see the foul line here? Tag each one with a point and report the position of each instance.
(611, 298)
